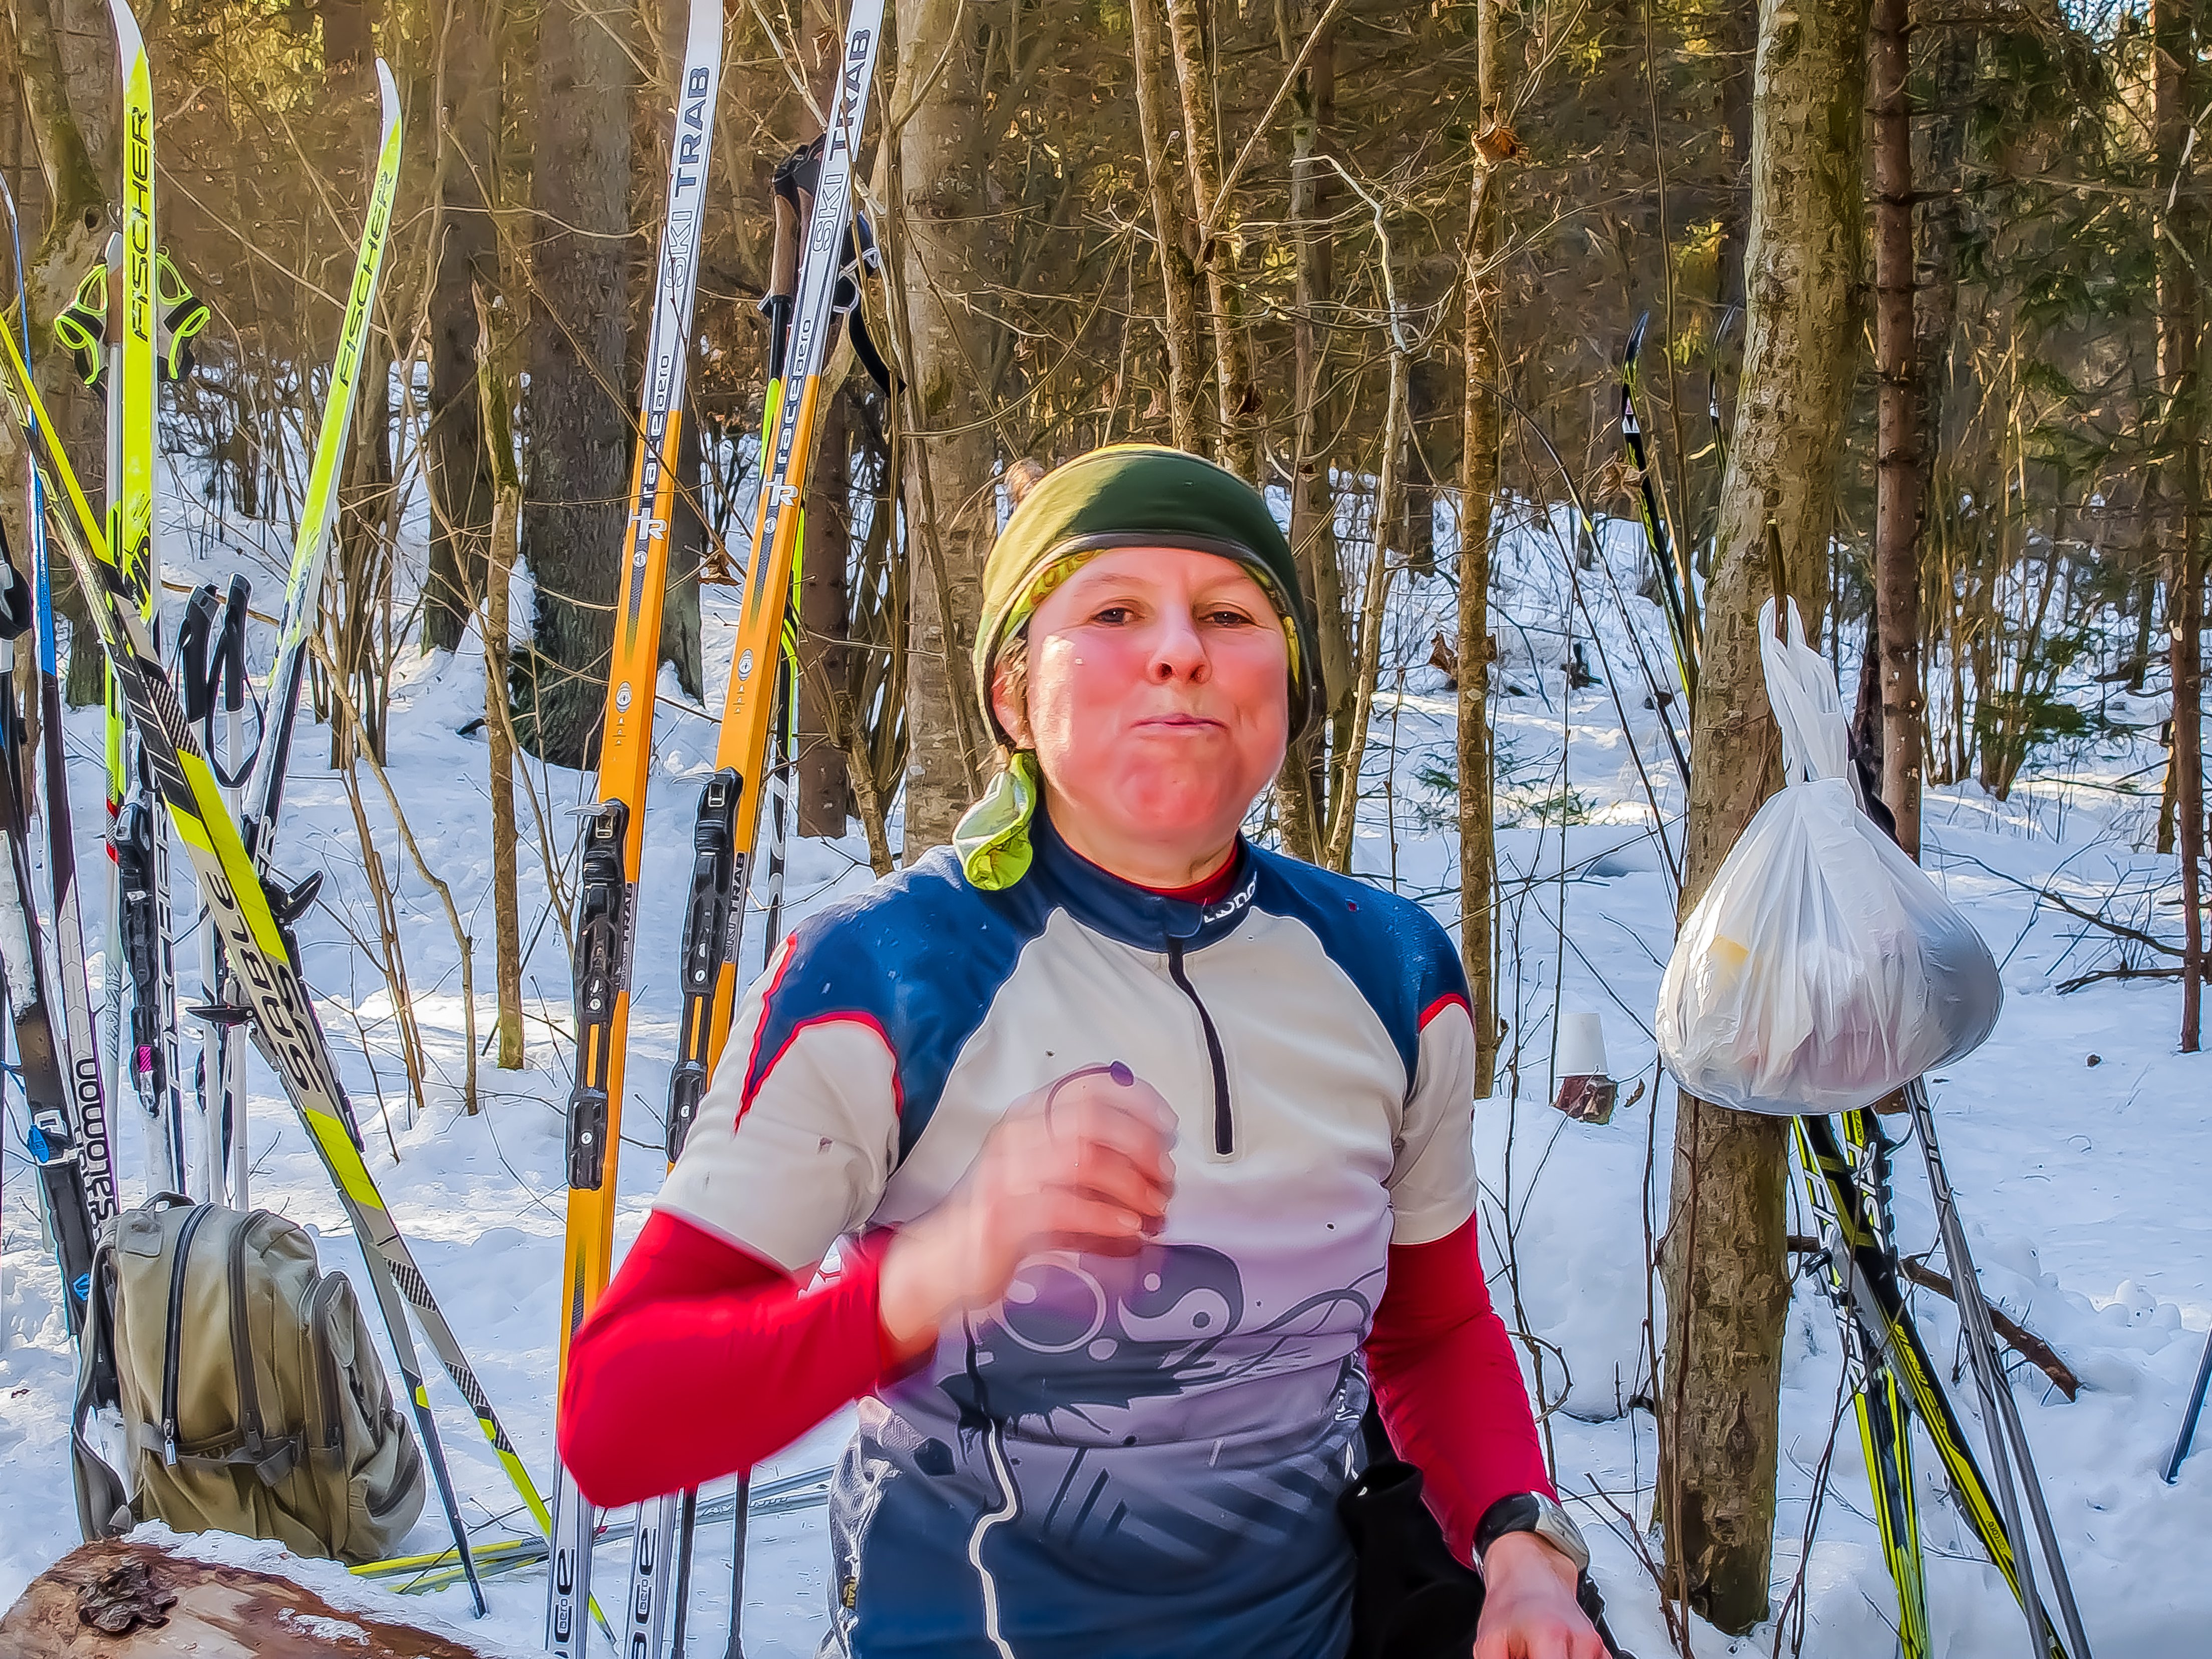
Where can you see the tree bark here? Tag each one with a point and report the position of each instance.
(1725, 1261)
(825, 793)
(1304, 789)
(580, 426)
(950, 457)
(499, 365)
(1866, 705)
(2175, 91)
(1178, 284)
(1900, 481)
(74, 236)
(1935, 311)
(1738, 35)
(1237, 396)
(1478, 499)
(459, 471)
(84, 33)
(349, 35)
(1344, 762)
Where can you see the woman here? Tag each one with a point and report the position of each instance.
(1134, 1123)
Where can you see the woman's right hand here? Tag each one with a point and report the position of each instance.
(1081, 1164)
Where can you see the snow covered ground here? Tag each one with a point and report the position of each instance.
(2077, 1138)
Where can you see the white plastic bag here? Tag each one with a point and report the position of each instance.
(1822, 968)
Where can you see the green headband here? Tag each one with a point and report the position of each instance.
(1124, 496)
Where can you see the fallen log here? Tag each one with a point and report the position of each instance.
(135, 1599)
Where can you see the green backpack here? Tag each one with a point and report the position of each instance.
(251, 1396)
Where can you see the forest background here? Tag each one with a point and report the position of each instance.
(1923, 342)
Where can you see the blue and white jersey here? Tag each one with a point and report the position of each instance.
(1133, 1457)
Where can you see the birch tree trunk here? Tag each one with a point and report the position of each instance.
(1725, 1258)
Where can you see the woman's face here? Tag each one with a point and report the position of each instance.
(1158, 698)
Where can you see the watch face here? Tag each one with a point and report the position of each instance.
(1531, 1512)
(1556, 1527)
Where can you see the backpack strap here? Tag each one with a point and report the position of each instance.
(103, 1506)
(272, 1458)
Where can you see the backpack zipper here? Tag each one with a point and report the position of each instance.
(1225, 1125)
(175, 1333)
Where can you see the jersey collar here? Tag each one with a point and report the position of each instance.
(1134, 916)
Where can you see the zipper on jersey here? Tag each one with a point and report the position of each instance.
(1225, 1125)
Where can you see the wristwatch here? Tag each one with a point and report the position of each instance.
(1532, 1511)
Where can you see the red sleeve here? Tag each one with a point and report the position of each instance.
(703, 1359)
(1448, 1386)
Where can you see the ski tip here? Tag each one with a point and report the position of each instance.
(387, 93)
(128, 40)
(706, 36)
(1635, 342)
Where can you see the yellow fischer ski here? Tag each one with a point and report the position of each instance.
(614, 838)
(133, 396)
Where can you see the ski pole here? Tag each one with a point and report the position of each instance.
(2001, 1414)
(195, 639)
(2188, 1418)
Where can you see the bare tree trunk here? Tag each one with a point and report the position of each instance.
(360, 635)
(470, 75)
(84, 34)
(1478, 501)
(1898, 480)
(2176, 91)
(499, 367)
(1725, 1260)
(1942, 226)
(73, 181)
(579, 410)
(951, 450)
(1418, 534)
(348, 36)
(1178, 284)
(76, 234)
(1304, 786)
(825, 792)
(1739, 37)
(1866, 705)
(1238, 398)
(1344, 763)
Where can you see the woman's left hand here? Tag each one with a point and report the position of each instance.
(1528, 1606)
